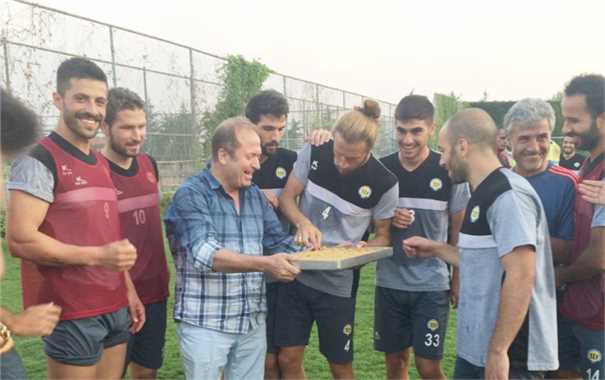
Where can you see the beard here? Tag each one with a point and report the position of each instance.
(459, 170)
(589, 139)
(122, 151)
(270, 148)
(71, 120)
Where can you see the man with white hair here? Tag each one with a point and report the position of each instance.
(529, 124)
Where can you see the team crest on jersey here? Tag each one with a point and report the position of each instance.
(475, 214)
(576, 164)
(436, 184)
(150, 177)
(432, 324)
(280, 172)
(594, 356)
(347, 330)
(364, 192)
(314, 165)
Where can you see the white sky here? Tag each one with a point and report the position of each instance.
(385, 48)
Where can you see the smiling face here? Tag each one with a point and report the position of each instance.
(83, 107)
(271, 130)
(530, 147)
(412, 137)
(127, 133)
(349, 156)
(579, 123)
(239, 167)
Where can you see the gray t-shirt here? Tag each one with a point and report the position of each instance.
(30, 175)
(503, 213)
(340, 219)
(427, 191)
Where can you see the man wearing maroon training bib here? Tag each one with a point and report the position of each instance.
(63, 222)
(135, 176)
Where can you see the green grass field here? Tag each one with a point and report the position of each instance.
(368, 363)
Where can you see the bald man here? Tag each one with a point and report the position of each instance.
(507, 312)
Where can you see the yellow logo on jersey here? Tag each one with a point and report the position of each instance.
(347, 330)
(475, 214)
(280, 172)
(432, 325)
(365, 192)
(594, 356)
(436, 184)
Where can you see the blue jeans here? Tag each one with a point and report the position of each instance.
(207, 354)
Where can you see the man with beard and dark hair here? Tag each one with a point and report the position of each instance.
(268, 111)
(63, 222)
(582, 336)
(507, 310)
(20, 128)
(135, 176)
(570, 159)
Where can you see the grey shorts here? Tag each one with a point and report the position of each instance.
(81, 341)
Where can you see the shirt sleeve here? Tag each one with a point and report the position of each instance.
(190, 229)
(302, 165)
(598, 216)
(33, 177)
(385, 208)
(565, 225)
(513, 220)
(459, 198)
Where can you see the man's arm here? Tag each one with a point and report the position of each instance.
(306, 232)
(280, 265)
(25, 215)
(37, 320)
(417, 246)
(382, 233)
(590, 263)
(515, 294)
(452, 239)
(560, 250)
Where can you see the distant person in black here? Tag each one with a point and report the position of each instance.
(569, 158)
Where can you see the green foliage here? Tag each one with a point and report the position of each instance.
(445, 107)
(241, 80)
(165, 201)
(173, 136)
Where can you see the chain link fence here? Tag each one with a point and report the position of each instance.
(179, 83)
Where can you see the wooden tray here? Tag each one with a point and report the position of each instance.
(334, 258)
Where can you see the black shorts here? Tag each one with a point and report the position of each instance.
(403, 319)
(81, 341)
(299, 306)
(146, 348)
(272, 289)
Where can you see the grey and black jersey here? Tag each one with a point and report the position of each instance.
(504, 213)
(341, 207)
(429, 192)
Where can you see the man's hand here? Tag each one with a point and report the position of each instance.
(281, 267)
(455, 288)
(273, 201)
(136, 310)
(319, 137)
(308, 235)
(403, 218)
(420, 247)
(38, 320)
(593, 191)
(118, 256)
(497, 366)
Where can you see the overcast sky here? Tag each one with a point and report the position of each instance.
(509, 49)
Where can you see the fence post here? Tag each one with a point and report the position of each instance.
(344, 100)
(113, 57)
(283, 78)
(317, 109)
(145, 88)
(192, 99)
(6, 67)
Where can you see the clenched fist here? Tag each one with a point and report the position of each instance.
(118, 256)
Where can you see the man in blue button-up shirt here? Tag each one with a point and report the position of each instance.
(218, 226)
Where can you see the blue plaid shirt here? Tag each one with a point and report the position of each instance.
(202, 220)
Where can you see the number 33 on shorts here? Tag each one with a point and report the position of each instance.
(432, 339)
